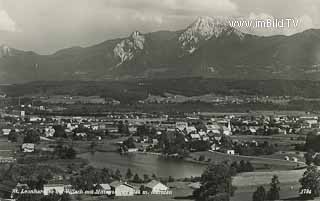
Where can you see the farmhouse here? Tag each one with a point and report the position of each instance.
(156, 187)
(230, 152)
(28, 147)
(6, 131)
(53, 188)
(122, 189)
(105, 187)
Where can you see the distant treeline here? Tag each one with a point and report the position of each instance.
(134, 90)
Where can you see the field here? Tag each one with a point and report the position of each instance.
(260, 163)
(7, 149)
(181, 191)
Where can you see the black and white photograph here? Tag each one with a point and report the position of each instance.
(159, 100)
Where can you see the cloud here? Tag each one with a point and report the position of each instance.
(6, 23)
(304, 22)
(178, 7)
(146, 18)
(207, 6)
(49, 25)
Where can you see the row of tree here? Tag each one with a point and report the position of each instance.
(273, 194)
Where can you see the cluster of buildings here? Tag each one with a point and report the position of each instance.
(195, 127)
(116, 188)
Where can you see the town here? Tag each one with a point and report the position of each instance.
(104, 156)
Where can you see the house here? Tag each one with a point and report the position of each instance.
(112, 129)
(131, 150)
(195, 136)
(81, 134)
(35, 119)
(49, 131)
(213, 128)
(53, 188)
(106, 188)
(215, 147)
(132, 129)
(6, 131)
(21, 186)
(191, 129)
(230, 152)
(28, 147)
(122, 189)
(156, 187)
(181, 125)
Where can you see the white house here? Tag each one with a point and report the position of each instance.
(230, 152)
(122, 189)
(131, 150)
(6, 131)
(156, 187)
(53, 188)
(213, 128)
(191, 129)
(181, 125)
(49, 131)
(294, 159)
(81, 134)
(195, 136)
(105, 187)
(28, 147)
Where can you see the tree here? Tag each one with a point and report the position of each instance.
(242, 167)
(310, 183)
(105, 175)
(234, 168)
(123, 127)
(309, 156)
(13, 136)
(129, 174)
(154, 176)
(65, 197)
(249, 167)
(170, 179)
(137, 179)
(259, 194)
(274, 192)
(32, 136)
(70, 153)
(59, 131)
(316, 160)
(201, 158)
(65, 152)
(118, 174)
(216, 183)
(129, 143)
(146, 178)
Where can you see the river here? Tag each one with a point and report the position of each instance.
(144, 164)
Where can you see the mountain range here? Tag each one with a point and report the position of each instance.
(209, 47)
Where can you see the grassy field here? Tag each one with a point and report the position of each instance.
(285, 142)
(6, 148)
(260, 163)
(182, 191)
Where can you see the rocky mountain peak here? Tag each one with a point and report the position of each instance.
(129, 47)
(204, 28)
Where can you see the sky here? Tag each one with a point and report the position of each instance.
(45, 26)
